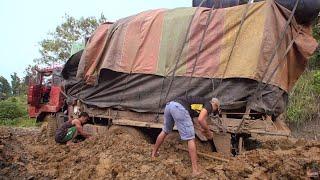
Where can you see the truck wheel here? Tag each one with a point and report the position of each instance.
(134, 132)
(52, 125)
(59, 119)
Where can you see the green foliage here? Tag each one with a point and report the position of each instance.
(13, 107)
(316, 82)
(21, 102)
(304, 99)
(16, 85)
(56, 48)
(30, 76)
(10, 110)
(5, 89)
(13, 112)
(315, 59)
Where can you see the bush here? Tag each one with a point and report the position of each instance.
(316, 81)
(13, 112)
(304, 99)
(314, 62)
(10, 110)
(13, 107)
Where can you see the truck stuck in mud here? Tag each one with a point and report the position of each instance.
(248, 56)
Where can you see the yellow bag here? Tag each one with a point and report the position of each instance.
(197, 107)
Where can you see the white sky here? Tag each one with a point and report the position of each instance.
(24, 23)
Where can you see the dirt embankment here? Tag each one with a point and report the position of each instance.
(26, 154)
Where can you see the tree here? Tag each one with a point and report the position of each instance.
(5, 89)
(30, 76)
(15, 84)
(56, 48)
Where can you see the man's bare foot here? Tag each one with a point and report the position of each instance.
(154, 154)
(196, 173)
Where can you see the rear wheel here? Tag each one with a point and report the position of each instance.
(60, 117)
(134, 132)
(51, 125)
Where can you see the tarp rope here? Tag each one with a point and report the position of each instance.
(159, 104)
(123, 94)
(200, 47)
(177, 62)
(254, 97)
(124, 89)
(282, 36)
(210, 17)
(280, 63)
(243, 18)
(277, 67)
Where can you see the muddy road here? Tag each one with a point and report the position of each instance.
(25, 153)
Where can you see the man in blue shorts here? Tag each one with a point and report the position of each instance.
(180, 112)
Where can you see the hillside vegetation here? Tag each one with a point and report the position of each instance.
(13, 112)
(304, 99)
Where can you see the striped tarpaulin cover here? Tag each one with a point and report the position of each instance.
(151, 42)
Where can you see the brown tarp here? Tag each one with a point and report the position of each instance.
(146, 93)
(129, 64)
(151, 42)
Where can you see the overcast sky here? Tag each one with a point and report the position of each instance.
(24, 23)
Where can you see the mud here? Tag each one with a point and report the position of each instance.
(308, 129)
(27, 154)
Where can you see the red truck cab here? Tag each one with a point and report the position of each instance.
(45, 93)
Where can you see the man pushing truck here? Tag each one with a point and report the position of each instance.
(180, 112)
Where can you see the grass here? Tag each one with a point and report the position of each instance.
(14, 112)
(304, 100)
(19, 122)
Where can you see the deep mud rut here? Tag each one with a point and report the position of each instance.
(26, 154)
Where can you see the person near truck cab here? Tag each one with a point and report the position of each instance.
(180, 112)
(72, 128)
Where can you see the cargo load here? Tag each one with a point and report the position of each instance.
(141, 62)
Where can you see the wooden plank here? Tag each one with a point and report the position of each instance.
(109, 113)
(230, 123)
(206, 155)
(136, 123)
(126, 122)
(130, 118)
(234, 105)
(279, 133)
(240, 145)
(148, 117)
(222, 142)
(239, 113)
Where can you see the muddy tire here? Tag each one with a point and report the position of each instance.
(51, 125)
(59, 119)
(134, 132)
